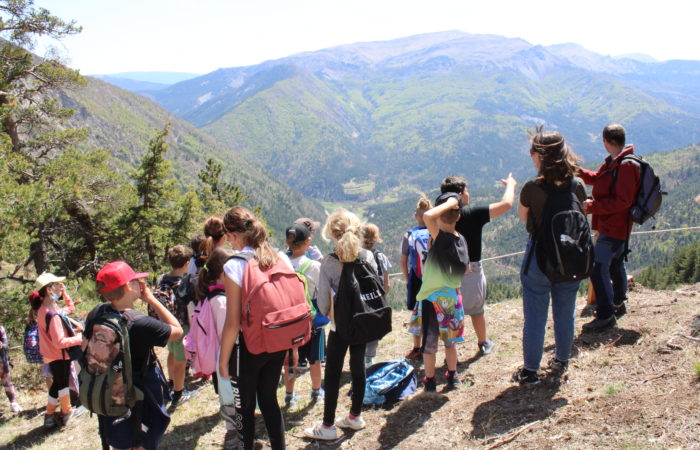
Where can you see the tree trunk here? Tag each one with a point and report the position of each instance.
(41, 258)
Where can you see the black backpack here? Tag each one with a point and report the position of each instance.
(359, 307)
(649, 196)
(563, 240)
(185, 291)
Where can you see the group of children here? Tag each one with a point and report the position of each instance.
(210, 285)
(213, 273)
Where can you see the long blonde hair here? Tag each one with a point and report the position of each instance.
(240, 220)
(345, 229)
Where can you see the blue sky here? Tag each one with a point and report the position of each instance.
(203, 35)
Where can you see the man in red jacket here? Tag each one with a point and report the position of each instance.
(615, 186)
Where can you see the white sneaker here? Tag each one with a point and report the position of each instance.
(321, 432)
(357, 423)
(15, 407)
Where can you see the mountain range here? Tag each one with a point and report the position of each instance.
(143, 82)
(377, 120)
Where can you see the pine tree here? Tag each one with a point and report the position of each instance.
(50, 194)
(215, 194)
(161, 216)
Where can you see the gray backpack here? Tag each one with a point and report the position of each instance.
(649, 196)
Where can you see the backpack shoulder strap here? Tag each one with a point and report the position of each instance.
(245, 256)
(632, 157)
(304, 267)
(216, 292)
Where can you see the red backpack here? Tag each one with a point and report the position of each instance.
(275, 315)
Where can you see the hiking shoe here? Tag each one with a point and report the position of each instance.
(318, 395)
(526, 377)
(486, 347)
(357, 423)
(290, 400)
(183, 396)
(429, 384)
(597, 325)
(620, 309)
(414, 354)
(50, 422)
(15, 407)
(453, 381)
(321, 432)
(557, 368)
(63, 419)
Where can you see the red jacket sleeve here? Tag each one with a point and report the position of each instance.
(624, 193)
(588, 176)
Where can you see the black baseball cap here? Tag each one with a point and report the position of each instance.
(298, 232)
(442, 198)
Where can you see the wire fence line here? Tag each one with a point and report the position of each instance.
(635, 233)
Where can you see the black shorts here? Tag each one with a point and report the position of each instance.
(315, 349)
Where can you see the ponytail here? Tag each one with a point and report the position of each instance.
(211, 272)
(344, 227)
(349, 245)
(35, 300)
(240, 220)
(214, 230)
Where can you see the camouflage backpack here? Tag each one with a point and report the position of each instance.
(106, 379)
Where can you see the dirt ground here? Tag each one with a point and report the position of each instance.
(634, 386)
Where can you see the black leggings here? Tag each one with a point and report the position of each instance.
(335, 357)
(258, 376)
(60, 369)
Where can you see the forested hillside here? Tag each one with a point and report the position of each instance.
(122, 123)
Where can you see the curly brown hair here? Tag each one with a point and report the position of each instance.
(557, 162)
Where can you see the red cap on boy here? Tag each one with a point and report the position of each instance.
(116, 274)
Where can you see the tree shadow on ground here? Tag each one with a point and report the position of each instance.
(175, 437)
(409, 417)
(25, 414)
(33, 437)
(514, 407)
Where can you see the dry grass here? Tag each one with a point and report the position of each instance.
(634, 386)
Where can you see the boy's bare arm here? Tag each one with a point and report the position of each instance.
(432, 215)
(506, 203)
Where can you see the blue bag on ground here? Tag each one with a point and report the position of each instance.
(389, 381)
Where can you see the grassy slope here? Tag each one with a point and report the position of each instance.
(630, 387)
(123, 123)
